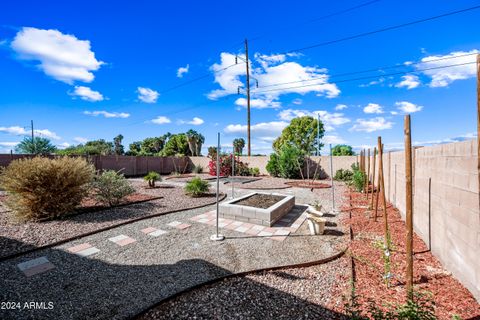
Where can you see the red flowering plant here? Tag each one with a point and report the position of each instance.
(241, 168)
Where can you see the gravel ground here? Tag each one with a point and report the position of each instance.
(301, 293)
(118, 282)
(16, 238)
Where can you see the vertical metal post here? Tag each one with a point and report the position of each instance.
(248, 97)
(233, 172)
(331, 179)
(216, 236)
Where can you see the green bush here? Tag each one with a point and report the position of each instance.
(343, 175)
(358, 180)
(196, 187)
(255, 172)
(287, 163)
(151, 178)
(40, 188)
(272, 165)
(197, 169)
(111, 187)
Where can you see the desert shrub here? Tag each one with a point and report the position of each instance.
(272, 165)
(196, 187)
(111, 187)
(40, 188)
(358, 180)
(241, 168)
(151, 178)
(255, 172)
(197, 169)
(343, 175)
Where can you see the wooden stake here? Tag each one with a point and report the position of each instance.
(367, 176)
(382, 189)
(409, 205)
(373, 176)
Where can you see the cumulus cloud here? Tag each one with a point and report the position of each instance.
(408, 81)
(258, 103)
(8, 144)
(371, 125)
(332, 139)
(80, 140)
(340, 107)
(161, 120)
(408, 107)
(444, 77)
(273, 69)
(147, 95)
(87, 94)
(60, 56)
(196, 121)
(373, 108)
(182, 70)
(107, 114)
(20, 131)
(268, 129)
(330, 120)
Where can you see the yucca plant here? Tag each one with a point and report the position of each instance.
(151, 178)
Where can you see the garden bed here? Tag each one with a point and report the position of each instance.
(450, 296)
(18, 238)
(260, 200)
(308, 184)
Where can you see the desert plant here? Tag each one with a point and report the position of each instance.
(272, 165)
(358, 180)
(151, 178)
(196, 187)
(40, 188)
(343, 175)
(111, 187)
(197, 169)
(36, 145)
(255, 172)
(287, 163)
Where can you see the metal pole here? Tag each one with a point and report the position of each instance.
(233, 172)
(331, 178)
(318, 135)
(248, 97)
(216, 236)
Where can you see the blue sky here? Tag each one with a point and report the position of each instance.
(98, 69)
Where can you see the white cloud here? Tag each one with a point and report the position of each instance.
(332, 139)
(80, 140)
(87, 94)
(147, 95)
(393, 113)
(63, 145)
(374, 82)
(269, 129)
(20, 131)
(444, 77)
(408, 107)
(371, 125)
(408, 81)
(60, 56)
(8, 144)
(107, 114)
(182, 70)
(341, 107)
(273, 69)
(196, 121)
(373, 108)
(258, 103)
(297, 101)
(330, 120)
(161, 120)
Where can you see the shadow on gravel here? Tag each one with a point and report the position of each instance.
(118, 213)
(88, 288)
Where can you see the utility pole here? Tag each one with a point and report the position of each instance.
(478, 121)
(248, 98)
(409, 205)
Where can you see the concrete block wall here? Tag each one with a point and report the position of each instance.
(445, 203)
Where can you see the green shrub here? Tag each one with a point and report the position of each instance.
(196, 187)
(255, 172)
(151, 178)
(111, 187)
(272, 165)
(197, 169)
(343, 175)
(40, 188)
(358, 180)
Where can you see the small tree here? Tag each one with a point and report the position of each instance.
(117, 145)
(36, 145)
(151, 178)
(342, 150)
(238, 145)
(302, 134)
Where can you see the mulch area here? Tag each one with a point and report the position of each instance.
(21, 237)
(262, 201)
(449, 295)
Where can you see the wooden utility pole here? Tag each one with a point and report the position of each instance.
(409, 204)
(478, 122)
(367, 176)
(247, 63)
(373, 176)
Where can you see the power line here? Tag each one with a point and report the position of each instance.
(369, 70)
(398, 26)
(369, 77)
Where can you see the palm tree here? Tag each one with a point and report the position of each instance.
(238, 145)
(36, 145)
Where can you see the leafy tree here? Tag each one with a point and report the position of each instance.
(134, 148)
(37, 145)
(342, 150)
(176, 145)
(302, 134)
(152, 146)
(95, 147)
(238, 145)
(118, 147)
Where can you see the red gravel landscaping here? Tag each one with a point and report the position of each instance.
(450, 296)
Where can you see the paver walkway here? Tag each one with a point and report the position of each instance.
(119, 272)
